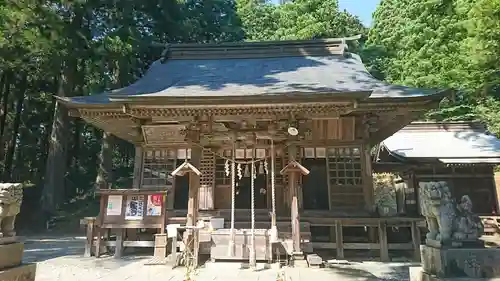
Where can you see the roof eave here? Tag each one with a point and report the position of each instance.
(493, 160)
(289, 97)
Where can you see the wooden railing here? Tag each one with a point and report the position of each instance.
(381, 224)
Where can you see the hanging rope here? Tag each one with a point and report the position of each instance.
(233, 159)
(233, 195)
(252, 258)
(274, 228)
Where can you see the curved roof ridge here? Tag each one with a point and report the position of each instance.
(262, 49)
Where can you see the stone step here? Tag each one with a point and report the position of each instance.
(24, 272)
(11, 254)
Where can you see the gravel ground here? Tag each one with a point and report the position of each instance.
(61, 259)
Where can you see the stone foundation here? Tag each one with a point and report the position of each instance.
(457, 264)
(11, 267)
(11, 254)
(461, 262)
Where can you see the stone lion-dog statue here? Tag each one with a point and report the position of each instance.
(11, 197)
(448, 221)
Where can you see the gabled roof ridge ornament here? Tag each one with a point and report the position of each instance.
(185, 168)
(294, 166)
(261, 49)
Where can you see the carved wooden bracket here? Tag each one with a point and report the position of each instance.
(185, 168)
(294, 167)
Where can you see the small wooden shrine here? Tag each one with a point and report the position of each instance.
(274, 137)
(463, 154)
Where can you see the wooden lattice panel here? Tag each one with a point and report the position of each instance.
(207, 169)
(157, 166)
(345, 177)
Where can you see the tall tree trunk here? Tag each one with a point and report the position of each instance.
(55, 171)
(3, 115)
(44, 140)
(9, 158)
(104, 175)
(75, 151)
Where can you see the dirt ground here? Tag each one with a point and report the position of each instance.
(61, 258)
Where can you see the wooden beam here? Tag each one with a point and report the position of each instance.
(119, 243)
(496, 183)
(437, 176)
(368, 193)
(194, 186)
(415, 239)
(361, 246)
(294, 206)
(382, 236)
(339, 240)
(138, 162)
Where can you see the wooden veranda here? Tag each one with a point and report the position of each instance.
(262, 134)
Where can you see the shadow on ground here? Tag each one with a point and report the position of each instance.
(38, 249)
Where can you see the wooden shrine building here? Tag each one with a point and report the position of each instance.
(463, 154)
(267, 135)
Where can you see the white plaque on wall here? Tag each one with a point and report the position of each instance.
(239, 154)
(309, 152)
(261, 153)
(248, 153)
(320, 152)
(114, 207)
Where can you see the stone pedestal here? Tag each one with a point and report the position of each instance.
(472, 264)
(11, 267)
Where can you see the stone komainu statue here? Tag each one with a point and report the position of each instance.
(11, 197)
(448, 221)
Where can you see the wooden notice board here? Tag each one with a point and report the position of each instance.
(132, 208)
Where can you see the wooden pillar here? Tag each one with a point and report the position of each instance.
(194, 186)
(415, 239)
(294, 206)
(89, 243)
(382, 236)
(367, 179)
(294, 211)
(339, 239)
(496, 192)
(137, 176)
(193, 202)
(119, 243)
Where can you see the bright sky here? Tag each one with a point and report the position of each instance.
(361, 8)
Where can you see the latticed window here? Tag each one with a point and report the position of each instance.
(344, 165)
(158, 164)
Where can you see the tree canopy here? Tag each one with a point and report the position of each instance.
(63, 48)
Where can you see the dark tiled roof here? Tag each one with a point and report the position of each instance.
(310, 73)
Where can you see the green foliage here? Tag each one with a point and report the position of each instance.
(441, 44)
(300, 19)
(81, 48)
(55, 47)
